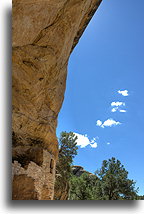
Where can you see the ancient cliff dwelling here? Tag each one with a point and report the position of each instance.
(44, 33)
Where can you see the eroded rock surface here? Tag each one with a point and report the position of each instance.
(44, 34)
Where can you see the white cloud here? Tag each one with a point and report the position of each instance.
(108, 143)
(122, 110)
(114, 109)
(99, 123)
(108, 123)
(94, 145)
(118, 104)
(84, 141)
(118, 109)
(124, 92)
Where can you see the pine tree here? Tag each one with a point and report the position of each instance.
(67, 151)
(115, 184)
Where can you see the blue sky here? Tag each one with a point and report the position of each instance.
(108, 58)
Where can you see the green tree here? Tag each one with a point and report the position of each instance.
(139, 197)
(67, 151)
(109, 183)
(67, 147)
(114, 182)
(83, 187)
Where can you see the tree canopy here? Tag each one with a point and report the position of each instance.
(109, 183)
(83, 187)
(67, 147)
(67, 151)
(115, 184)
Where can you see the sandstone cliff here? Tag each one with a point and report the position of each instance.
(78, 171)
(44, 34)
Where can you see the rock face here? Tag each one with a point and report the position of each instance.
(44, 34)
(78, 170)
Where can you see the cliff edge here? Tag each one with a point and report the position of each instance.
(44, 34)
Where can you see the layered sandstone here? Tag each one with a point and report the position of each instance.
(44, 34)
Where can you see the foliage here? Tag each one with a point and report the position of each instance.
(109, 183)
(139, 197)
(115, 184)
(68, 148)
(83, 187)
(67, 151)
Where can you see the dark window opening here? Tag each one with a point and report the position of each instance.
(51, 166)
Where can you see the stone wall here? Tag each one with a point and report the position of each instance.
(44, 34)
(33, 181)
